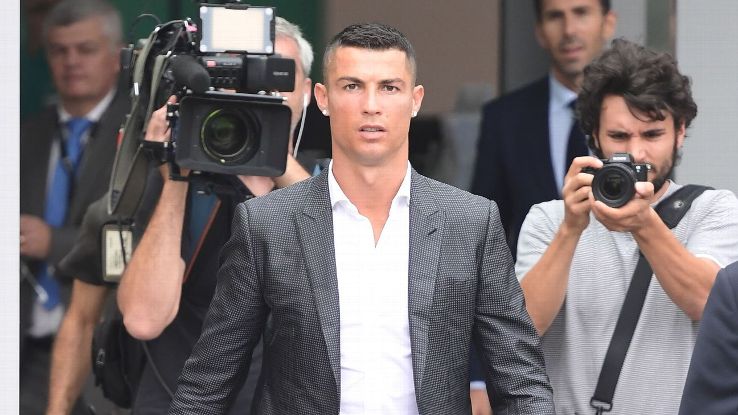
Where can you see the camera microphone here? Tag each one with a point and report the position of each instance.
(188, 71)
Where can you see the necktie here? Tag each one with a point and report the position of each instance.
(576, 146)
(57, 198)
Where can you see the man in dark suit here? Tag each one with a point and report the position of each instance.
(83, 41)
(524, 147)
(712, 381)
(376, 277)
(66, 155)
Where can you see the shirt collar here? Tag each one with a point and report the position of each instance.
(561, 96)
(337, 195)
(94, 115)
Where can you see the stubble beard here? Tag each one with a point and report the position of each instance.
(666, 172)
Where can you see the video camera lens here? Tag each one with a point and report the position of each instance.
(229, 135)
(232, 133)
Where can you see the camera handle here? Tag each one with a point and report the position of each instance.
(173, 119)
(161, 152)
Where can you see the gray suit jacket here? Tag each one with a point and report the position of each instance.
(281, 259)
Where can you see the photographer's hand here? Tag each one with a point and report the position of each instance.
(151, 286)
(634, 216)
(685, 277)
(576, 193)
(544, 286)
(158, 131)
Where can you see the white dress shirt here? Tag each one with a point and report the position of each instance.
(376, 358)
(560, 121)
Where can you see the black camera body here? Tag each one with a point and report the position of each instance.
(250, 74)
(233, 134)
(614, 183)
(241, 133)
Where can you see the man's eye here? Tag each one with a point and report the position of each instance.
(389, 88)
(652, 134)
(56, 51)
(351, 87)
(87, 50)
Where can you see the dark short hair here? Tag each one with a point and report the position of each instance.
(68, 12)
(648, 81)
(538, 5)
(374, 36)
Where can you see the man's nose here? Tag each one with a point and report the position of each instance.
(570, 26)
(371, 102)
(637, 149)
(71, 57)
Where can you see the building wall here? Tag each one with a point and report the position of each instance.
(455, 43)
(707, 51)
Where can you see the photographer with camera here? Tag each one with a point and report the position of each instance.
(576, 256)
(169, 281)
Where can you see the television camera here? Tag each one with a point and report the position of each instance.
(244, 132)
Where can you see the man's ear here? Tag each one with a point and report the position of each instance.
(609, 24)
(321, 96)
(539, 37)
(596, 145)
(418, 94)
(680, 134)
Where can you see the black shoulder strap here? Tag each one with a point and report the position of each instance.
(671, 211)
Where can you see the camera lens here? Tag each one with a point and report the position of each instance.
(229, 136)
(614, 184)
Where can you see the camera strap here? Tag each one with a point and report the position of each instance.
(671, 210)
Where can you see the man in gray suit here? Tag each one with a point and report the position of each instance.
(376, 277)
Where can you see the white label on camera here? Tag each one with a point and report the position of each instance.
(116, 242)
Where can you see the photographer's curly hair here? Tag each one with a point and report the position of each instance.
(648, 81)
(374, 36)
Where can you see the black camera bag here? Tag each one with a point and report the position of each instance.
(117, 360)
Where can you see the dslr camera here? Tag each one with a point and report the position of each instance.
(614, 183)
(245, 132)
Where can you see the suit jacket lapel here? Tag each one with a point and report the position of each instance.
(426, 227)
(315, 229)
(94, 168)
